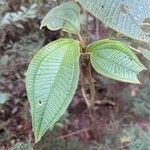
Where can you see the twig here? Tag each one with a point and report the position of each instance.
(73, 133)
(105, 102)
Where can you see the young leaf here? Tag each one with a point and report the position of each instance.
(125, 16)
(51, 82)
(115, 60)
(65, 17)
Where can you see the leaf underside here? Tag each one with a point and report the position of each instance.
(124, 16)
(51, 82)
(65, 17)
(115, 60)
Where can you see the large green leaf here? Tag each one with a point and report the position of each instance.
(115, 60)
(51, 82)
(65, 17)
(126, 16)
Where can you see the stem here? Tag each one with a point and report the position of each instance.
(82, 43)
(90, 101)
(91, 84)
(87, 65)
(83, 90)
(86, 60)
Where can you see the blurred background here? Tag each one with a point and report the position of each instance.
(122, 111)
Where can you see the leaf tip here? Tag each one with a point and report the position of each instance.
(37, 139)
(41, 26)
(138, 82)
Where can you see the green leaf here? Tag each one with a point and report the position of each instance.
(65, 17)
(115, 60)
(51, 82)
(126, 16)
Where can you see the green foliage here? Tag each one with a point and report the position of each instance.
(140, 103)
(115, 60)
(65, 17)
(122, 16)
(51, 82)
(17, 17)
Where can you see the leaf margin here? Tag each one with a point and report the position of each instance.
(127, 51)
